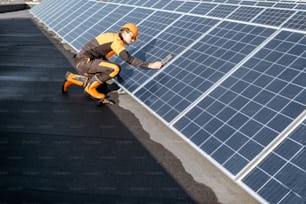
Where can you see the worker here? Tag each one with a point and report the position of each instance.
(92, 62)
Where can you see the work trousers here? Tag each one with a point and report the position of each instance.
(103, 69)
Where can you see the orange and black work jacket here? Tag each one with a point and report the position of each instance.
(106, 45)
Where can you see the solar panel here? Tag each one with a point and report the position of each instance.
(198, 69)
(297, 21)
(253, 106)
(63, 12)
(203, 8)
(42, 7)
(85, 21)
(173, 5)
(76, 18)
(245, 13)
(273, 17)
(54, 10)
(79, 10)
(281, 176)
(187, 6)
(160, 4)
(222, 11)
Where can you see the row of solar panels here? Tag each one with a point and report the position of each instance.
(234, 90)
(288, 18)
(192, 4)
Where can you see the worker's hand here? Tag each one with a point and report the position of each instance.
(156, 65)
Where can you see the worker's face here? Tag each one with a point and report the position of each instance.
(128, 37)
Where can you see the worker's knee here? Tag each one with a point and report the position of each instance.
(114, 67)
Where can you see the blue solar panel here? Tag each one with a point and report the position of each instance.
(203, 8)
(284, 5)
(297, 21)
(187, 6)
(222, 11)
(273, 17)
(173, 5)
(235, 122)
(64, 11)
(281, 176)
(88, 19)
(41, 8)
(76, 19)
(245, 13)
(173, 90)
(61, 25)
(301, 6)
(55, 10)
(160, 4)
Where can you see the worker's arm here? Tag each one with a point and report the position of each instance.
(138, 62)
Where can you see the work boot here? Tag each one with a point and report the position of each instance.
(91, 89)
(73, 79)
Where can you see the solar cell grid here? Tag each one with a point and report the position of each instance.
(248, 3)
(44, 12)
(265, 96)
(297, 21)
(42, 7)
(149, 3)
(64, 11)
(265, 4)
(89, 18)
(57, 10)
(199, 68)
(273, 17)
(301, 6)
(203, 8)
(161, 4)
(281, 176)
(245, 13)
(173, 5)
(62, 26)
(222, 11)
(187, 6)
(284, 5)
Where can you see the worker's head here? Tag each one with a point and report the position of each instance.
(129, 32)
